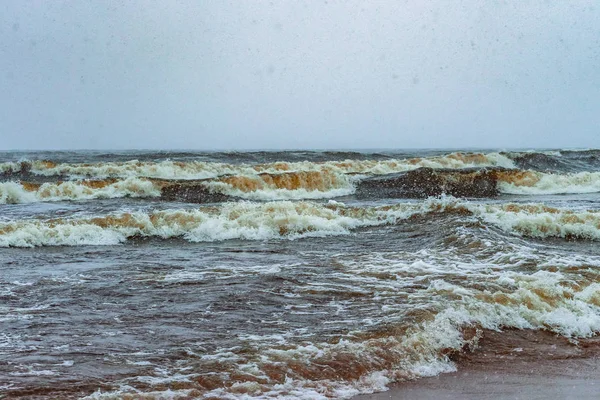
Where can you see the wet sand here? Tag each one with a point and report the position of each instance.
(513, 365)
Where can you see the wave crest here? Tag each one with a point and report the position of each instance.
(291, 220)
(202, 170)
(536, 183)
(242, 220)
(27, 192)
(541, 221)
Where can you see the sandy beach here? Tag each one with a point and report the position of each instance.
(513, 365)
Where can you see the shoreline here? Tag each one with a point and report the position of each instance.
(513, 364)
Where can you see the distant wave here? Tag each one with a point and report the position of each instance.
(283, 186)
(204, 170)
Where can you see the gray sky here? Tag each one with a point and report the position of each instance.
(284, 74)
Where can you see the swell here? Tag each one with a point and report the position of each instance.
(264, 186)
(292, 220)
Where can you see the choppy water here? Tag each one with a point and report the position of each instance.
(283, 274)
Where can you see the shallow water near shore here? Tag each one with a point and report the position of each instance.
(287, 274)
(512, 365)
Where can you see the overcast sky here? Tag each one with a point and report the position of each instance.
(306, 74)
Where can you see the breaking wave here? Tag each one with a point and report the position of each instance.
(536, 183)
(421, 284)
(290, 220)
(25, 192)
(292, 185)
(243, 220)
(541, 221)
(557, 160)
(203, 170)
(423, 182)
(486, 182)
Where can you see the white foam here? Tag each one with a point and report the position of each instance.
(287, 220)
(536, 301)
(243, 220)
(201, 170)
(155, 395)
(540, 300)
(10, 167)
(14, 193)
(480, 289)
(334, 184)
(582, 182)
(31, 372)
(537, 220)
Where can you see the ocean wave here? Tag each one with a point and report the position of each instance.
(427, 182)
(12, 167)
(291, 220)
(486, 182)
(557, 160)
(242, 220)
(281, 186)
(541, 221)
(536, 183)
(25, 192)
(203, 170)
(423, 182)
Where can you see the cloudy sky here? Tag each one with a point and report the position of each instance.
(299, 74)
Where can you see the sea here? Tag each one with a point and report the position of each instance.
(284, 274)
